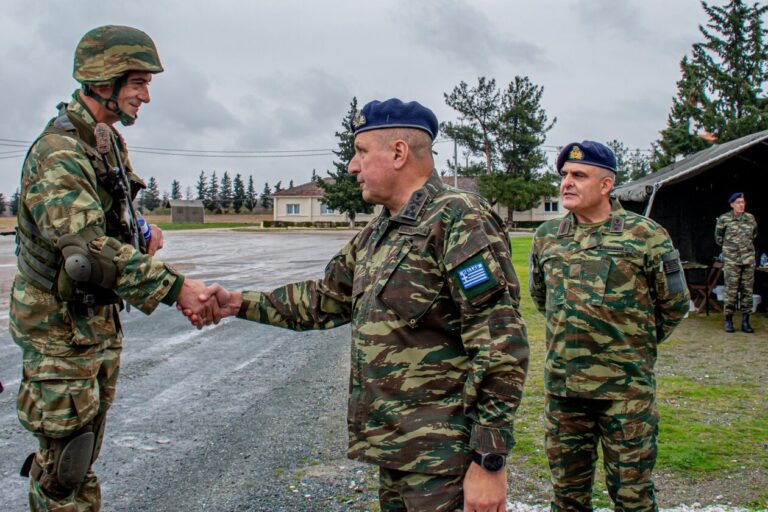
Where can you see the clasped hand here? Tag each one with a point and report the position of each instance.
(207, 305)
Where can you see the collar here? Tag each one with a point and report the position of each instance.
(411, 212)
(614, 222)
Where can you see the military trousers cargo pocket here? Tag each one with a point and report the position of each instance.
(56, 408)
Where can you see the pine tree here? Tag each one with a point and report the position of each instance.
(175, 189)
(278, 186)
(630, 165)
(508, 129)
(151, 195)
(238, 196)
(250, 195)
(342, 192)
(166, 198)
(721, 94)
(13, 204)
(188, 193)
(202, 189)
(2, 203)
(212, 193)
(265, 197)
(225, 193)
(290, 184)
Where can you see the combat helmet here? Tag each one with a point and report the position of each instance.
(105, 54)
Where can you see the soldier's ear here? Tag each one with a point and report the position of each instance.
(400, 150)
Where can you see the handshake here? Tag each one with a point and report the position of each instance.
(204, 305)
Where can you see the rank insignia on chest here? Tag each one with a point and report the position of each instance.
(473, 274)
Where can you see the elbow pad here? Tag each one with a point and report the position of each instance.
(83, 265)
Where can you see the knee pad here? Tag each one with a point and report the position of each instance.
(74, 460)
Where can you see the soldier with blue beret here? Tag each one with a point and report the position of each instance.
(439, 352)
(735, 232)
(610, 285)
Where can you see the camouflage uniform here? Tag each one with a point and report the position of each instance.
(439, 351)
(71, 359)
(736, 235)
(610, 293)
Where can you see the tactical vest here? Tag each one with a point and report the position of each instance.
(39, 261)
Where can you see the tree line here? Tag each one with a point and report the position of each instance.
(721, 96)
(501, 130)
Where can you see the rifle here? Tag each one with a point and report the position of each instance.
(128, 218)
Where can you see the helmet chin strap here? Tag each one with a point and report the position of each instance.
(111, 102)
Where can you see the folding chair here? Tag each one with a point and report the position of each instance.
(702, 292)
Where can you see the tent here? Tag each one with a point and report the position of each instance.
(688, 196)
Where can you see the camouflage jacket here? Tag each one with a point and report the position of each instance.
(439, 351)
(610, 293)
(61, 193)
(736, 234)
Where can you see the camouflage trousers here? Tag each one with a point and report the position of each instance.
(401, 491)
(53, 404)
(739, 280)
(626, 430)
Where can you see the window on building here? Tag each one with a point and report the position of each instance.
(551, 206)
(324, 210)
(293, 209)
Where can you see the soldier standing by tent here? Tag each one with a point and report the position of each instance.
(735, 232)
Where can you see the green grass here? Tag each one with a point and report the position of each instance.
(711, 396)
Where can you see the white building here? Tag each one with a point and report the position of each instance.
(302, 204)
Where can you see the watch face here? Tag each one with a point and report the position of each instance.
(493, 462)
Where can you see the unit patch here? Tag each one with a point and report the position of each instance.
(473, 275)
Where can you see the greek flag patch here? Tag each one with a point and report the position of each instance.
(473, 275)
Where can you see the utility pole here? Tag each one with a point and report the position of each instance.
(455, 164)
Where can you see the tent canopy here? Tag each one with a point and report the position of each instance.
(688, 196)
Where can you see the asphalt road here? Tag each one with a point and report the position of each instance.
(226, 418)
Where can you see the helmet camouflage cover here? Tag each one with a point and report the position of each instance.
(108, 52)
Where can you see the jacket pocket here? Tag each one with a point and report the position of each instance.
(412, 284)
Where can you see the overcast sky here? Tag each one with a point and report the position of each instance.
(266, 76)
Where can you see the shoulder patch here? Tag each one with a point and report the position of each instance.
(473, 274)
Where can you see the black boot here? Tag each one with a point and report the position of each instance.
(729, 323)
(745, 324)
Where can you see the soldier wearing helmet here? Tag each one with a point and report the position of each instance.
(79, 262)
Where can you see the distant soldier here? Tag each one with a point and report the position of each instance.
(80, 254)
(611, 287)
(439, 351)
(735, 232)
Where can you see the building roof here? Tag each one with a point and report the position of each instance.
(310, 189)
(185, 202)
(639, 190)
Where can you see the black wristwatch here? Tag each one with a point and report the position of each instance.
(492, 462)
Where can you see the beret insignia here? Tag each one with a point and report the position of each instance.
(576, 153)
(359, 120)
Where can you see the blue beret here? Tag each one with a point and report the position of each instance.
(587, 152)
(393, 113)
(735, 196)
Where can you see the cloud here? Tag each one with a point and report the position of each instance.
(463, 32)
